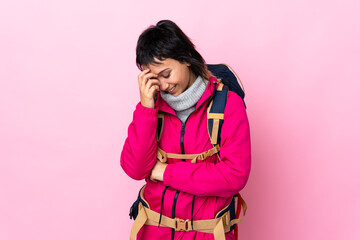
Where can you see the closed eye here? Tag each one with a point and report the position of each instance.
(167, 76)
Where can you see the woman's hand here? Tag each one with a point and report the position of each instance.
(149, 86)
(157, 173)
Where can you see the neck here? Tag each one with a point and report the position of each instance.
(192, 78)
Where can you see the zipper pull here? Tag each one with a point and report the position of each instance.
(182, 129)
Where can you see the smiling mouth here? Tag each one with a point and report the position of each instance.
(171, 90)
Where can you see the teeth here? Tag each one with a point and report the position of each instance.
(172, 89)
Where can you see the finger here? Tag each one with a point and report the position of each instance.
(143, 72)
(146, 78)
(150, 75)
(151, 82)
(153, 89)
(141, 75)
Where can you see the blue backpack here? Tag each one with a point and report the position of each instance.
(228, 77)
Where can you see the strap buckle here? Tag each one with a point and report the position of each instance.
(209, 152)
(182, 225)
(202, 156)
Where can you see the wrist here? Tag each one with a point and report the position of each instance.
(148, 104)
(162, 171)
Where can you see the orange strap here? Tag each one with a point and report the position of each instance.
(162, 156)
(217, 226)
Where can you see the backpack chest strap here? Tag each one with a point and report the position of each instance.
(162, 156)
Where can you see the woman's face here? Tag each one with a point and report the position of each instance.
(174, 77)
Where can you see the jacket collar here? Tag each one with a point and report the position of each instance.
(164, 106)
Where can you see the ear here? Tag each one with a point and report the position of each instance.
(188, 64)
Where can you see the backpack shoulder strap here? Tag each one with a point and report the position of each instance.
(160, 125)
(215, 113)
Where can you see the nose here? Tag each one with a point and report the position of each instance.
(163, 85)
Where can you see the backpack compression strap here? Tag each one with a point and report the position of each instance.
(219, 225)
(216, 113)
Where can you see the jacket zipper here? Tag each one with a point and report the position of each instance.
(182, 133)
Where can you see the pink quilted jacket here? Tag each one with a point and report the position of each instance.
(212, 182)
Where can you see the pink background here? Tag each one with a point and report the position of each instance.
(68, 87)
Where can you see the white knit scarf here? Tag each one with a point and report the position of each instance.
(185, 103)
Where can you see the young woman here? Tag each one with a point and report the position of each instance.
(175, 84)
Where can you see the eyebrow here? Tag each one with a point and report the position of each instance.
(163, 71)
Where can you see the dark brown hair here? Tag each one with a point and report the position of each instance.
(167, 40)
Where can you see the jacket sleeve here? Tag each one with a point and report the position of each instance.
(138, 155)
(228, 176)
